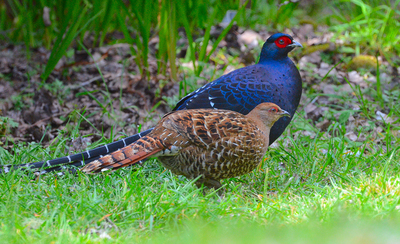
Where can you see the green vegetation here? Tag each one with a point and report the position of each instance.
(316, 186)
(6, 124)
(328, 184)
(372, 27)
(139, 21)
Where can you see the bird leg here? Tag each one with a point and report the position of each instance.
(211, 184)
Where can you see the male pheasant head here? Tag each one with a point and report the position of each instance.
(277, 47)
(267, 113)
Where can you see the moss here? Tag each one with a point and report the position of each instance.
(310, 49)
(363, 61)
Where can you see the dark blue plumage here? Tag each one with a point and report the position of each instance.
(274, 79)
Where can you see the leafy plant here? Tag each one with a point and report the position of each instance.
(57, 89)
(372, 27)
(139, 21)
(6, 124)
(70, 25)
(277, 14)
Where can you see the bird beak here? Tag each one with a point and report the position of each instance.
(295, 44)
(285, 113)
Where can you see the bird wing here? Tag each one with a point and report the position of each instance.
(240, 91)
(203, 128)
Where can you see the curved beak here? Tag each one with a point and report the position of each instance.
(285, 113)
(295, 44)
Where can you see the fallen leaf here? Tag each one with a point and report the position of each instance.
(105, 216)
(383, 117)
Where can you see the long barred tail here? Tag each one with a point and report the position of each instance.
(129, 155)
(79, 159)
(61, 169)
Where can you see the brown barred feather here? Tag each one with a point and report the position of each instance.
(212, 144)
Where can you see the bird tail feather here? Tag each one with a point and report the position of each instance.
(129, 155)
(76, 160)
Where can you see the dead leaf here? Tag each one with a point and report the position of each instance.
(384, 117)
(105, 216)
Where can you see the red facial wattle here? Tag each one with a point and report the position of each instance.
(283, 42)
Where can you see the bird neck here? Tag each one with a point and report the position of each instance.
(262, 125)
(269, 52)
(268, 58)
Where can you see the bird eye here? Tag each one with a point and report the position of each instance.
(273, 110)
(283, 41)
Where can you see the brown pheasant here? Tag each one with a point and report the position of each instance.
(212, 144)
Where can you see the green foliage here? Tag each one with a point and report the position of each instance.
(58, 90)
(6, 124)
(371, 25)
(278, 14)
(19, 100)
(139, 21)
(72, 24)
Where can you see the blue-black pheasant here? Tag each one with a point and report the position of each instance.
(274, 78)
(208, 144)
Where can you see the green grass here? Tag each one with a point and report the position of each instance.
(312, 188)
(315, 187)
(153, 205)
(369, 26)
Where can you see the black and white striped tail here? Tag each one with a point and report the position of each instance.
(78, 159)
(71, 167)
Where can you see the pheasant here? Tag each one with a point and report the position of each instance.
(274, 78)
(205, 143)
